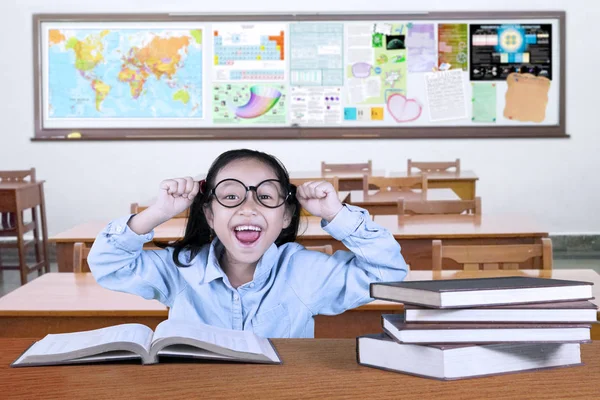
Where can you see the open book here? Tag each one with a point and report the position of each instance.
(136, 341)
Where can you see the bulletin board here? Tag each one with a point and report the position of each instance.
(273, 76)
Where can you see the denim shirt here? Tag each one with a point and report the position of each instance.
(290, 286)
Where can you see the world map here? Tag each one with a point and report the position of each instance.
(125, 73)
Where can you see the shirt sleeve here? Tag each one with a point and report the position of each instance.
(118, 262)
(330, 285)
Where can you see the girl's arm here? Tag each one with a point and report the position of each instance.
(332, 284)
(117, 260)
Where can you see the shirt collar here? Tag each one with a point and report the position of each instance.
(214, 271)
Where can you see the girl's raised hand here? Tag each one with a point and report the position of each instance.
(175, 196)
(320, 199)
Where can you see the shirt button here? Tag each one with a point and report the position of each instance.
(252, 285)
(236, 297)
(119, 228)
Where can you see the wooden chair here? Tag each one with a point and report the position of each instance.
(472, 207)
(333, 180)
(492, 257)
(80, 255)
(400, 184)
(434, 166)
(17, 233)
(358, 168)
(326, 248)
(135, 208)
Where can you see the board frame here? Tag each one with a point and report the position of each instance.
(296, 132)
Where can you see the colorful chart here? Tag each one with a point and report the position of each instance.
(239, 103)
(262, 100)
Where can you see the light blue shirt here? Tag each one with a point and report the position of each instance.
(290, 286)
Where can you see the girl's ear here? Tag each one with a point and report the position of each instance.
(287, 216)
(209, 216)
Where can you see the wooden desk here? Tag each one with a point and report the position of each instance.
(312, 368)
(378, 202)
(417, 232)
(346, 181)
(462, 183)
(86, 233)
(67, 302)
(17, 197)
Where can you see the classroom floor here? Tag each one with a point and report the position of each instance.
(10, 280)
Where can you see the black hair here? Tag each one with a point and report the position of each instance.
(198, 232)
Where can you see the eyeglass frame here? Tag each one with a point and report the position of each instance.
(212, 192)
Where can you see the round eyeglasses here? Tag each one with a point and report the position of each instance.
(231, 193)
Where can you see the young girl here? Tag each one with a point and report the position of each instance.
(237, 266)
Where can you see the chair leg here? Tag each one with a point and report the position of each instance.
(44, 228)
(24, 269)
(36, 240)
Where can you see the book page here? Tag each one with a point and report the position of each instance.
(71, 342)
(242, 341)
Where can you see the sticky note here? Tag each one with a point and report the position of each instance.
(350, 114)
(377, 113)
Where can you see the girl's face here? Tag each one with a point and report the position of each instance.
(248, 230)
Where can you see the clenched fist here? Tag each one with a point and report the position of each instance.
(320, 199)
(176, 195)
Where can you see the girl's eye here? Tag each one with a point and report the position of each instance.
(231, 197)
(265, 196)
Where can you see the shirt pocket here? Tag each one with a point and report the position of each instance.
(273, 323)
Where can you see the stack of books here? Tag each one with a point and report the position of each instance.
(464, 328)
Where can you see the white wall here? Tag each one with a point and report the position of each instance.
(554, 179)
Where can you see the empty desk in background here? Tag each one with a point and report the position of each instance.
(86, 233)
(417, 232)
(462, 183)
(67, 302)
(17, 197)
(347, 181)
(378, 202)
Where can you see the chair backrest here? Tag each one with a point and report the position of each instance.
(492, 257)
(430, 207)
(333, 180)
(400, 184)
(433, 166)
(80, 255)
(326, 248)
(358, 168)
(18, 175)
(135, 208)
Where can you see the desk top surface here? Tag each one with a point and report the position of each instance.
(317, 174)
(459, 226)
(18, 185)
(414, 226)
(374, 197)
(69, 294)
(440, 176)
(315, 368)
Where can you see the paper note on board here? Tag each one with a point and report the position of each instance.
(484, 102)
(526, 97)
(446, 95)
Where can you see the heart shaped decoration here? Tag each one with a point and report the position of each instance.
(403, 109)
